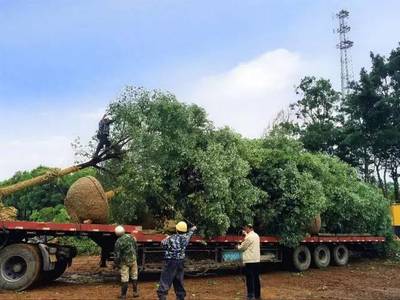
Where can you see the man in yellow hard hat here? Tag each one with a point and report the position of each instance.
(173, 270)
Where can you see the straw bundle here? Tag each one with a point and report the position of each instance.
(7, 213)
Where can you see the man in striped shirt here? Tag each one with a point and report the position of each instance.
(173, 271)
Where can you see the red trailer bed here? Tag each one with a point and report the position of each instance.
(48, 228)
(27, 253)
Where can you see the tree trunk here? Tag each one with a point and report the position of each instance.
(9, 213)
(47, 177)
(384, 178)
(395, 177)
(380, 182)
(396, 187)
(366, 166)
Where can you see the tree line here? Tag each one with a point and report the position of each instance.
(362, 128)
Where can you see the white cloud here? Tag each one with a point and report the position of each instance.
(44, 137)
(29, 153)
(249, 96)
(246, 98)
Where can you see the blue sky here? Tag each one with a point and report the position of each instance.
(62, 62)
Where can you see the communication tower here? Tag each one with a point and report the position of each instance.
(344, 46)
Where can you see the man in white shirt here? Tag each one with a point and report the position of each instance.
(251, 259)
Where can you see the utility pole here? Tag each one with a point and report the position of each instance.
(344, 46)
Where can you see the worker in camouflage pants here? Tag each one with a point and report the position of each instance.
(103, 134)
(173, 271)
(125, 251)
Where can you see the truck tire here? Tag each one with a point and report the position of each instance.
(301, 258)
(321, 256)
(20, 266)
(49, 276)
(340, 255)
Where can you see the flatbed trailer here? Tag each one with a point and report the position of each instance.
(29, 255)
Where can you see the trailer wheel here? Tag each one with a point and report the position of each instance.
(59, 269)
(20, 265)
(321, 256)
(301, 258)
(340, 255)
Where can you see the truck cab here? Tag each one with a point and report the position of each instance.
(395, 209)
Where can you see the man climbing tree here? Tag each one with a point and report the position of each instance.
(103, 134)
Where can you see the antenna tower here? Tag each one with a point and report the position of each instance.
(344, 46)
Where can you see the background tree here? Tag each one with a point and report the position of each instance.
(361, 128)
(361, 123)
(372, 120)
(317, 114)
(392, 125)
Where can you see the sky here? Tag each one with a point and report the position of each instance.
(62, 62)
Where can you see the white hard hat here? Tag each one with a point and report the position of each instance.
(119, 230)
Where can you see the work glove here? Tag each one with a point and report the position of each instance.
(194, 228)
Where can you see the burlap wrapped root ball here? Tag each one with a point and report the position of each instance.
(87, 201)
(7, 213)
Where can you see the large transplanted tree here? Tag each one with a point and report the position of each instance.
(178, 165)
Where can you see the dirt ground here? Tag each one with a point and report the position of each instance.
(369, 279)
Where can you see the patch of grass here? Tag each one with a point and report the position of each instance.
(392, 250)
(211, 282)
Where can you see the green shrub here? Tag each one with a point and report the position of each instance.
(57, 214)
(84, 245)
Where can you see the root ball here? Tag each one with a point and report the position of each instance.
(86, 200)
